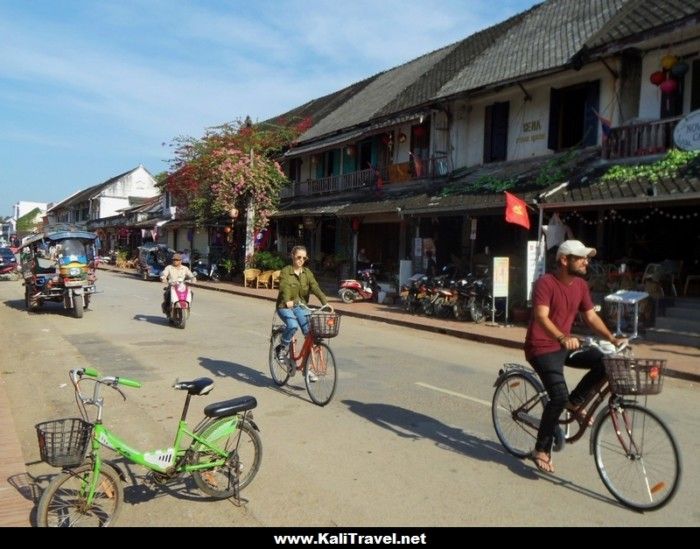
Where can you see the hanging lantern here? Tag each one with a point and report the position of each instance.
(233, 213)
(227, 229)
(669, 86)
(402, 137)
(679, 69)
(667, 61)
(657, 77)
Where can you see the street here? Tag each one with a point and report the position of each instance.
(406, 441)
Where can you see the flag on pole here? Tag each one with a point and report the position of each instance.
(516, 211)
(605, 124)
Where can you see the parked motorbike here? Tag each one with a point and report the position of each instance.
(180, 303)
(205, 271)
(365, 287)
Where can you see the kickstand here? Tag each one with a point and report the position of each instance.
(236, 497)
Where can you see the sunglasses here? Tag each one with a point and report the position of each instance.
(303, 257)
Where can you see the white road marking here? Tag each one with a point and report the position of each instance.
(453, 393)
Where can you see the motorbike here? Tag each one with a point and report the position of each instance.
(180, 303)
(58, 264)
(206, 271)
(364, 287)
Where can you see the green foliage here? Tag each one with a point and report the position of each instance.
(484, 184)
(267, 261)
(27, 223)
(666, 168)
(556, 170)
(232, 166)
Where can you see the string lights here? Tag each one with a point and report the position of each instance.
(614, 215)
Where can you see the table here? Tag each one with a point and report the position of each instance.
(626, 297)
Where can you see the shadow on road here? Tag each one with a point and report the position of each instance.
(413, 425)
(224, 368)
(160, 319)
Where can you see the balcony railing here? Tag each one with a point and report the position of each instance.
(393, 173)
(653, 137)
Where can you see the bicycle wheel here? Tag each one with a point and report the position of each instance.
(243, 460)
(278, 370)
(320, 362)
(637, 457)
(64, 502)
(516, 411)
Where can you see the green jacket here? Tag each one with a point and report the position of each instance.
(297, 288)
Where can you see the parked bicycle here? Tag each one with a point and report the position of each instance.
(223, 455)
(315, 358)
(635, 453)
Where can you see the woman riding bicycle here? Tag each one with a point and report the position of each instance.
(557, 298)
(296, 284)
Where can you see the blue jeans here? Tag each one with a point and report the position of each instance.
(294, 318)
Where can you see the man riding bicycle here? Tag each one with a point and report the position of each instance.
(557, 298)
(296, 284)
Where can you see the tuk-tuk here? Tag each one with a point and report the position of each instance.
(153, 258)
(58, 264)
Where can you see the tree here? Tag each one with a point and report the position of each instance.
(231, 165)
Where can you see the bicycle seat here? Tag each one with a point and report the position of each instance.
(199, 386)
(230, 407)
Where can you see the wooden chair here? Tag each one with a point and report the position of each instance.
(264, 279)
(250, 275)
(276, 278)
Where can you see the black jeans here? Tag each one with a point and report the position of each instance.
(550, 368)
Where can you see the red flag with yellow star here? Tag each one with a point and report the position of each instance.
(516, 211)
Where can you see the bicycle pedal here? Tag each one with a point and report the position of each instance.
(559, 439)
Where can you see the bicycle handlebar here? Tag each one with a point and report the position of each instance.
(603, 346)
(107, 380)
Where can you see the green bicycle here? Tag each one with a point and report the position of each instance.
(223, 455)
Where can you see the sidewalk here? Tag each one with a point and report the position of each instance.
(682, 362)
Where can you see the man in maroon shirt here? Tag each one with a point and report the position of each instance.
(557, 299)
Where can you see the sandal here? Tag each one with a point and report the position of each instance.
(579, 414)
(544, 464)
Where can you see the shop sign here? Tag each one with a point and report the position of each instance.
(500, 277)
(686, 136)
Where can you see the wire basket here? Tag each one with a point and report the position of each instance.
(635, 376)
(325, 324)
(62, 442)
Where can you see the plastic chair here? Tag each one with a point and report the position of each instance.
(250, 275)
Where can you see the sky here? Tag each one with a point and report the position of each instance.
(89, 90)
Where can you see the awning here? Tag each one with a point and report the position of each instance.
(149, 223)
(299, 210)
(323, 144)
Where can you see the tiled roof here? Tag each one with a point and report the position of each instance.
(638, 16)
(546, 38)
(592, 190)
(367, 103)
(87, 194)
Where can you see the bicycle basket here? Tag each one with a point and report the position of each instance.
(635, 376)
(62, 442)
(325, 324)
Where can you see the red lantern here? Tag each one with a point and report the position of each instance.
(669, 86)
(657, 77)
(227, 229)
(355, 224)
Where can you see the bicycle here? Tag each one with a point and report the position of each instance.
(223, 456)
(315, 358)
(635, 453)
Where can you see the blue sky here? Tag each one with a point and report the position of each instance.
(91, 89)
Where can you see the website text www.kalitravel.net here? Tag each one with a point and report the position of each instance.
(350, 538)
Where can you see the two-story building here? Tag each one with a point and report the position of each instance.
(419, 156)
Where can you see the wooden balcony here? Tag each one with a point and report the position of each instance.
(393, 173)
(642, 139)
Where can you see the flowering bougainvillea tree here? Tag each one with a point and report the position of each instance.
(230, 166)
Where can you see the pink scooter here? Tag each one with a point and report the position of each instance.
(180, 303)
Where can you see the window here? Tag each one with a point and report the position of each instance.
(496, 132)
(572, 118)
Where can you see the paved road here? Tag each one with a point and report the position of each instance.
(407, 440)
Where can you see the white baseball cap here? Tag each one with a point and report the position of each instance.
(575, 247)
